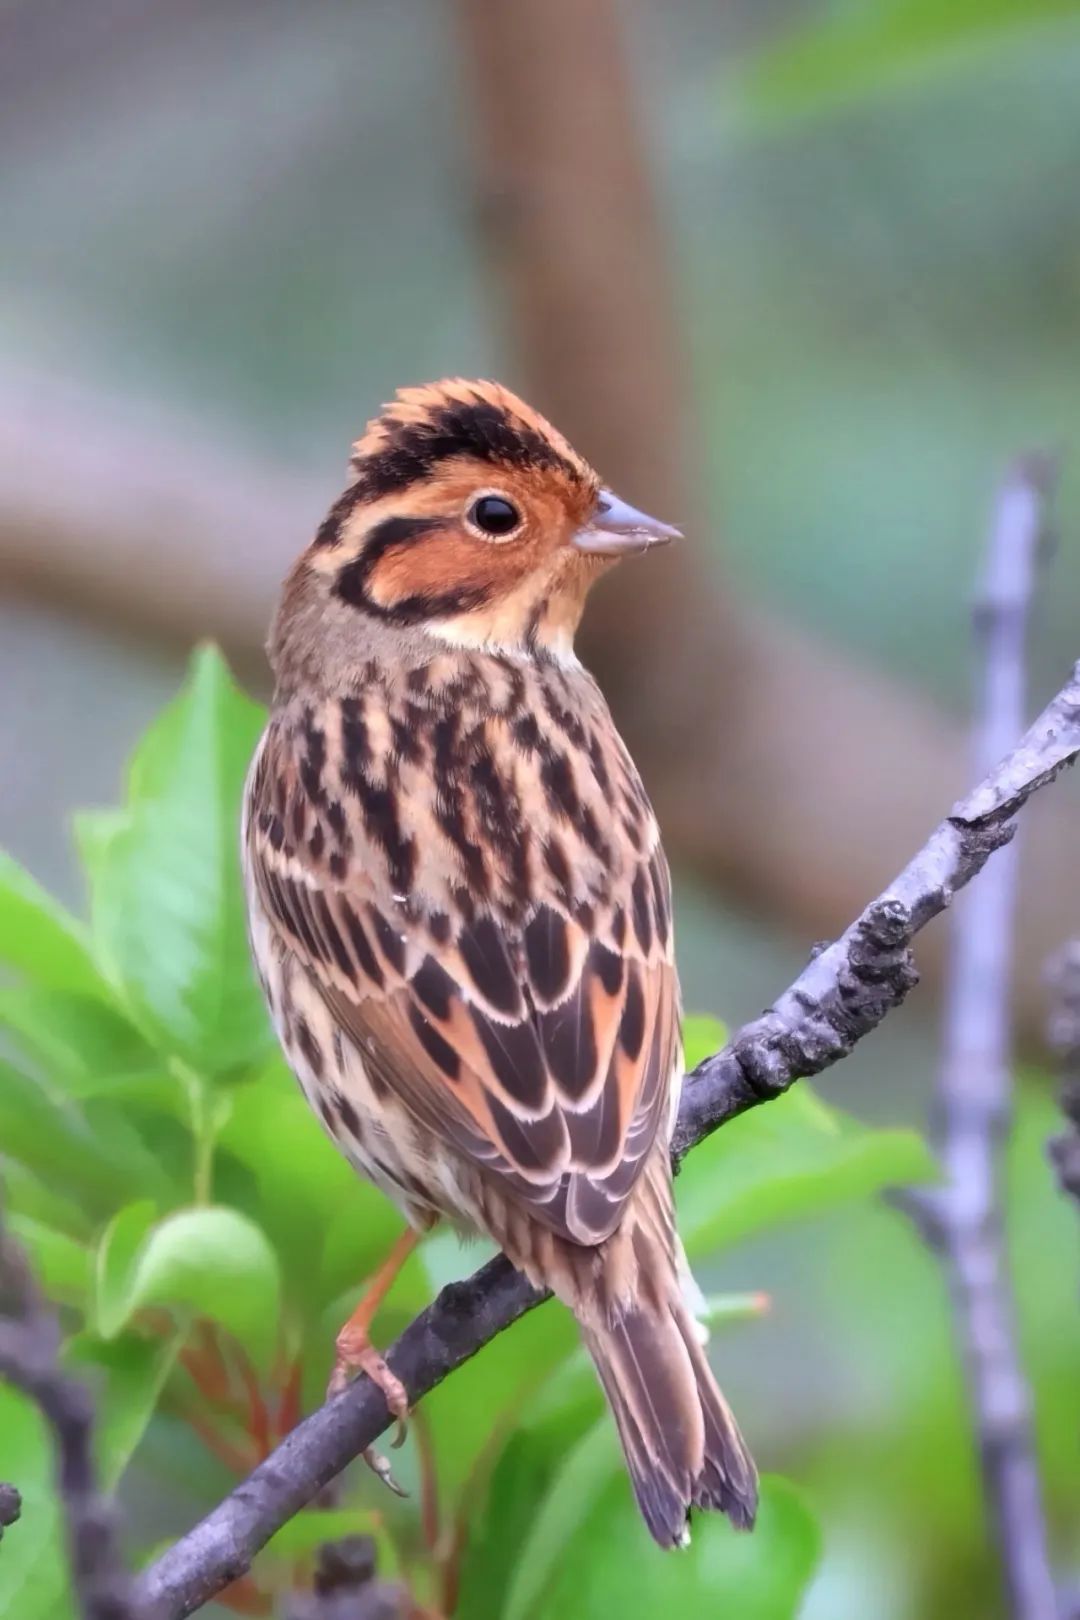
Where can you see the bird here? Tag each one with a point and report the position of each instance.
(460, 908)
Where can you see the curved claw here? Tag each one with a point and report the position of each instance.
(380, 1466)
(356, 1357)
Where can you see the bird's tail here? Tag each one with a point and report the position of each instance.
(682, 1445)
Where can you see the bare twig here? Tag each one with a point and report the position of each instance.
(10, 1507)
(838, 998)
(29, 1349)
(345, 1586)
(963, 1221)
(1063, 1037)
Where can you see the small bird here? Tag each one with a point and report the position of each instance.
(460, 910)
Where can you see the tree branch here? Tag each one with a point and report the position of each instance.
(843, 993)
(345, 1587)
(963, 1221)
(29, 1352)
(1063, 1037)
(10, 1507)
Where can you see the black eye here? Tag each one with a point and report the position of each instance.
(493, 514)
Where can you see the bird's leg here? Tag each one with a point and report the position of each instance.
(356, 1353)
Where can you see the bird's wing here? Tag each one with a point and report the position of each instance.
(541, 1045)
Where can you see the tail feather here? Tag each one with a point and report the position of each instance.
(681, 1442)
(728, 1478)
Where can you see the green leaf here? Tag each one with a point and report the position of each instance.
(77, 1038)
(209, 1262)
(791, 1158)
(94, 831)
(556, 1451)
(860, 51)
(114, 1265)
(166, 894)
(148, 1172)
(587, 1469)
(24, 1193)
(330, 1228)
(128, 1376)
(41, 939)
(307, 1531)
(61, 1264)
(33, 1556)
(702, 1036)
(90, 1158)
(590, 1555)
(518, 1488)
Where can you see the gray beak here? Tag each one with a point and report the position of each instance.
(616, 529)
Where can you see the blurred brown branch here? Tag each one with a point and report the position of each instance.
(843, 993)
(964, 1219)
(801, 825)
(139, 519)
(788, 777)
(804, 785)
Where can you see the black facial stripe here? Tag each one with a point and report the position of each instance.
(481, 430)
(329, 531)
(351, 584)
(398, 531)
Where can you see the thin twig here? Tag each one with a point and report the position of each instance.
(964, 1219)
(843, 993)
(10, 1507)
(345, 1587)
(29, 1351)
(1063, 1036)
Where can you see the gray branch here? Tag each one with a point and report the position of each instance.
(963, 1221)
(29, 1352)
(842, 994)
(345, 1586)
(1063, 1035)
(10, 1507)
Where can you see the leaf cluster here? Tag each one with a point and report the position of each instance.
(203, 1240)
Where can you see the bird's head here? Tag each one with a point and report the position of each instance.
(470, 518)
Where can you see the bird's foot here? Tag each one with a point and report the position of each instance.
(355, 1354)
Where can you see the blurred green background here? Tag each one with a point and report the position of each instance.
(231, 229)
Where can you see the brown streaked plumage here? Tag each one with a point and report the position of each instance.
(460, 907)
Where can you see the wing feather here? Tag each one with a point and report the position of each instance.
(540, 1039)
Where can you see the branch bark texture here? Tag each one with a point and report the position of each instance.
(346, 1588)
(1063, 1036)
(842, 994)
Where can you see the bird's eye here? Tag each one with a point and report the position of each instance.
(494, 515)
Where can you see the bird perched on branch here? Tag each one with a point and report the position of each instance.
(460, 908)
